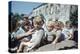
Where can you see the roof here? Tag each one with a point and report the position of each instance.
(39, 6)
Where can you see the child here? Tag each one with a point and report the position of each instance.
(36, 35)
(25, 26)
(49, 32)
(19, 34)
(57, 32)
(68, 30)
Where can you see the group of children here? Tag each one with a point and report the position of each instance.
(57, 31)
(31, 36)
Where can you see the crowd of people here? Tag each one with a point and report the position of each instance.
(31, 34)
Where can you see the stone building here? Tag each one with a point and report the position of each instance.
(54, 11)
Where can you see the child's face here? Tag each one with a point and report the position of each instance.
(49, 27)
(56, 26)
(36, 26)
(25, 20)
(27, 27)
(68, 25)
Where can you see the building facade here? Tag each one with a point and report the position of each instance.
(53, 11)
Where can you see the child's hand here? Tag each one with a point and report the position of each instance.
(54, 43)
(29, 32)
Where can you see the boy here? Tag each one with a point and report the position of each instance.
(37, 34)
(68, 30)
(58, 32)
(19, 34)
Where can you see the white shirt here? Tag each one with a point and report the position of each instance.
(20, 31)
(66, 31)
(50, 35)
(36, 38)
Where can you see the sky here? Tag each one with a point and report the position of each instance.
(23, 7)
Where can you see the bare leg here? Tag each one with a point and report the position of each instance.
(21, 45)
